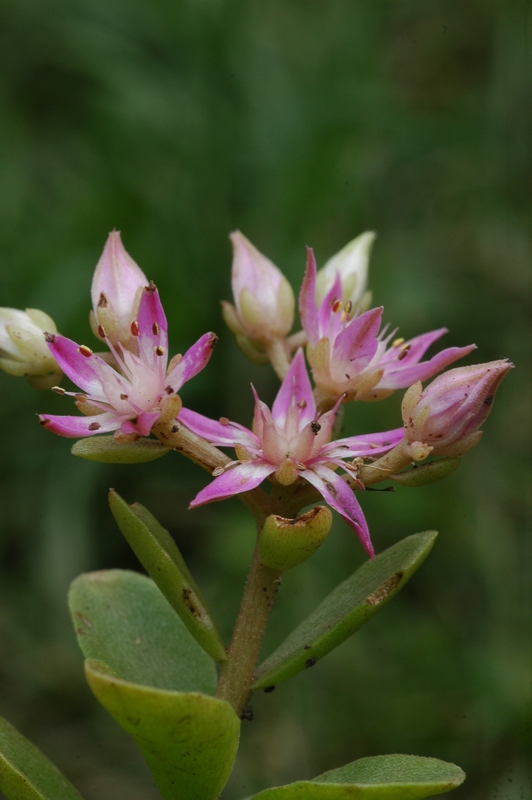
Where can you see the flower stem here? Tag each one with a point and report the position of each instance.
(236, 675)
(277, 352)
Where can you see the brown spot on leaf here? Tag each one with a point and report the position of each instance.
(384, 590)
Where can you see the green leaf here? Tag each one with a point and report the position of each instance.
(346, 609)
(121, 618)
(160, 557)
(107, 450)
(26, 773)
(189, 741)
(394, 777)
(425, 474)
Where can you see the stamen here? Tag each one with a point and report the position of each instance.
(80, 398)
(168, 390)
(348, 307)
(155, 328)
(102, 301)
(220, 470)
(315, 427)
(302, 404)
(101, 332)
(336, 305)
(224, 420)
(151, 287)
(49, 337)
(85, 351)
(94, 426)
(134, 328)
(58, 390)
(159, 351)
(398, 342)
(404, 352)
(124, 396)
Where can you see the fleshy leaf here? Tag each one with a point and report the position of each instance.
(393, 777)
(425, 474)
(189, 740)
(107, 450)
(26, 773)
(160, 557)
(121, 618)
(346, 609)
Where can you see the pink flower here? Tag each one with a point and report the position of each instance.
(444, 419)
(264, 300)
(289, 442)
(350, 357)
(117, 286)
(143, 392)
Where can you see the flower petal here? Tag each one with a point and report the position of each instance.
(194, 360)
(141, 424)
(369, 444)
(296, 386)
(153, 327)
(240, 478)
(402, 375)
(76, 427)
(340, 496)
(82, 370)
(217, 433)
(356, 345)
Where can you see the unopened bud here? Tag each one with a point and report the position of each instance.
(285, 543)
(23, 348)
(444, 419)
(264, 300)
(116, 290)
(351, 263)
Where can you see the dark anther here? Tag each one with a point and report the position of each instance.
(94, 426)
(315, 427)
(102, 301)
(50, 337)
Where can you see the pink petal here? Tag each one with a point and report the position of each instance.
(194, 360)
(141, 424)
(356, 345)
(118, 277)
(369, 444)
(296, 385)
(307, 300)
(217, 433)
(82, 370)
(417, 347)
(401, 376)
(325, 309)
(240, 478)
(153, 327)
(76, 427)
(339, 496)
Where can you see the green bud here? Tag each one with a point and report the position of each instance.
(285, 543)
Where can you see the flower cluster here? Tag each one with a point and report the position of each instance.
(133, 387)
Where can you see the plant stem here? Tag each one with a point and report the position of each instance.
(236, 675)
(277, 352)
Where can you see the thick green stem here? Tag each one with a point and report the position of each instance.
(236, 675)
(278, 353)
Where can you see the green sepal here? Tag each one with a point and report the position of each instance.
(107, 450)
(286, 543)
(26, 773)
(346, 609)
(121, 618)
(189, 740)
(160, 557)
(394, 777)
(425, 474)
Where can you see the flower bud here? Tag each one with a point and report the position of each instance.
(444, 419)
(264, 300)
(23, 348)
(116, 291)
(285, 543)
(351, 263)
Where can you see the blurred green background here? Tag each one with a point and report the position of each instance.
(299, 122)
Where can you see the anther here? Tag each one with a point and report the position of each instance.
(94, 426)
(348, 307)
(58, 390)
(80, 398)
(155, 328)
(101, 332)
(315, 427)
(224, 421)
(159, 351)
(124, 396)
(398, 342)
(302, 404)
(102, 301)
(151, 287)
(134, 328)
(50, 337)
(85, 351)
(168, 390)
(336, 305)
(404, 352)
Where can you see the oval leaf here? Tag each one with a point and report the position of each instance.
(160, 557)
(107, 450)
(121, 618)
(425, 474)
(394, 777)
(346, 609)
(189, 741)
(26, 773)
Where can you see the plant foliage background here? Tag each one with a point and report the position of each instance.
(299, 122)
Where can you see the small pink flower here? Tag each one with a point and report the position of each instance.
(117, 286)
(289, 442)
(264, 300)
(130, 401)
(444, 419)
(350, 357)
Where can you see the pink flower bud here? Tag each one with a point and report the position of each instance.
(351, 264)
(444, 419)
(264, 300)
(116, 291)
